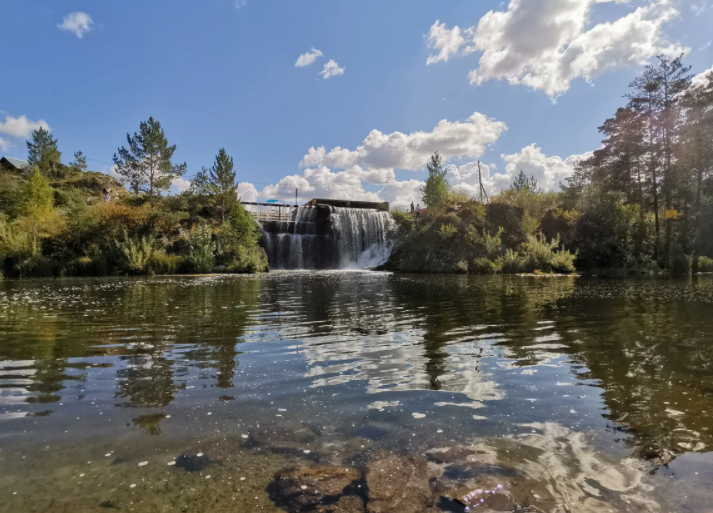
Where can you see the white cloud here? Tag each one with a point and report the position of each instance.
(376, 159)
(308, 58)
(446, 41)
(331, 69)
(247, 192)
(548, 171)
(4, 144)
(240, 3)
(181, 184)
(78, 23)
(703, 79)
(546, 44)
(321, 182)
(411, 151)
(21, 127)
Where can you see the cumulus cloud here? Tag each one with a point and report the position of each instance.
(411, 151)
(331, 69)
(703, 79)
(308, 58)
(548, 171)
(21, 127)
(446, 41)
(342, 173)
(247, 192)
(4, 144)
(78, 23)
(546, 44)
(181, 184)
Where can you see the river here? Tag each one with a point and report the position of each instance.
(232, 393)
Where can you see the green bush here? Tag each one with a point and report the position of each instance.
(163, 263)
(201, 256)
(486, 266)
(511, 262)
(404, 221)
(447, 231)
(138, 252)
(705, 264)
(542, 255)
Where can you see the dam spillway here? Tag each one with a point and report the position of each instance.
(329, 237)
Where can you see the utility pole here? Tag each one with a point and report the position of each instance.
(482, 187)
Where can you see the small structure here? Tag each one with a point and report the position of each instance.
(376, 205)
(12, 164)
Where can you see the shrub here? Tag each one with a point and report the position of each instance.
(543, 256)
(705, 264)
(461, 267)
(161, 262)
(201, 257)
(250, 260)
(137, 252)
(447, 231)
(486, 266)
(404, 221)
(511, 262)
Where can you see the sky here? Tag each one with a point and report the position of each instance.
(342, 99)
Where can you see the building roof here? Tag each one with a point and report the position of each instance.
(14, 163)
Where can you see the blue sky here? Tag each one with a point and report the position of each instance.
(220, 74)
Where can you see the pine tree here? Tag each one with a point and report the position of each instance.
(696, 152)
(146, 164)
(80, 161)
(435, 191)
(657, 94)
(222, 183)
(523, 183)
(42, 152)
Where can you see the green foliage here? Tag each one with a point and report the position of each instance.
(138, 252)
(705, 265)
(37, 196)
(222, 179)
(163, 263)
(435, 192)
(42, 152)
(201, 256)
(238, 247)
(511, 262)
(404, 221)
(541, 255)
(523, 183)
(447, 231)
(80, 162)
(146, 164)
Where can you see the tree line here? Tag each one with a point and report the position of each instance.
(643, 202)
(63, 220)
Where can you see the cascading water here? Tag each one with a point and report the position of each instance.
(325, 237)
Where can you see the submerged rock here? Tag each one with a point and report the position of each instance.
(323, 488)
(399, 484)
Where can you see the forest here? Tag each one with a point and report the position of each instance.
(641, 204)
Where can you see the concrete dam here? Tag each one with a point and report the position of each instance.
(326, 234)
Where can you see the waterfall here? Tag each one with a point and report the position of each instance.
(324, 237)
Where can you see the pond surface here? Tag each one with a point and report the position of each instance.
(356, 391)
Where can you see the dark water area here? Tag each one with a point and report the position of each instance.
(356, 391)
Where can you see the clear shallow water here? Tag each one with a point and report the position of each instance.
(174, 394)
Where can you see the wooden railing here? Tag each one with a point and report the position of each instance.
(270, 211)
